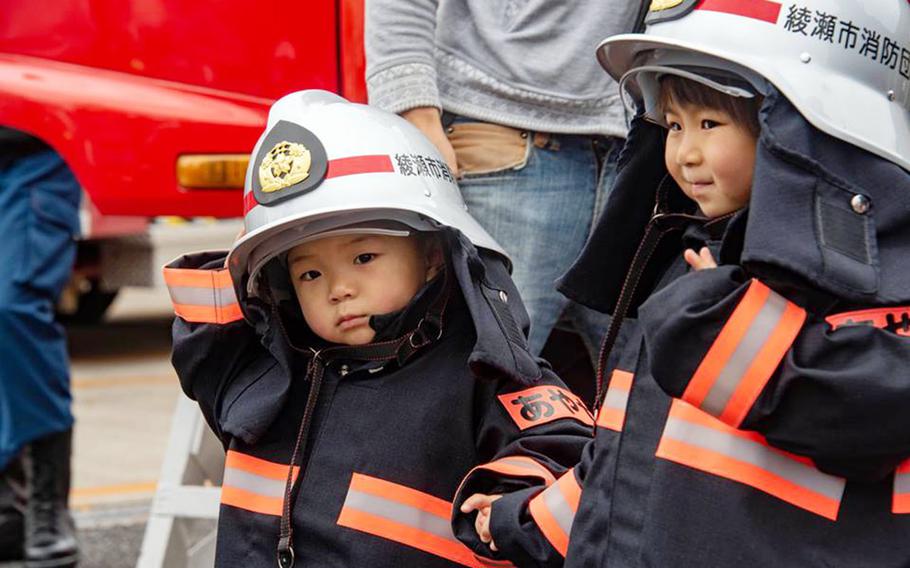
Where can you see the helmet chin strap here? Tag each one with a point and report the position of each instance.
(428, 330)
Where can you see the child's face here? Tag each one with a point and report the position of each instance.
(710, 156)
(341, 281)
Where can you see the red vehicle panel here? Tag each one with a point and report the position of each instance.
(123, 88)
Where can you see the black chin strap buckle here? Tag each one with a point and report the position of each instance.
(428, 330)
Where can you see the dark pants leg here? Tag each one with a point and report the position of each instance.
(50, 535)
(12, 510)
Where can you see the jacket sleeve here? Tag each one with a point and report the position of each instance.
(212, 344)
(399, 39)
(740, 351)
(529, 439)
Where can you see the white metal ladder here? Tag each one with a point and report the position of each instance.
(182, 524)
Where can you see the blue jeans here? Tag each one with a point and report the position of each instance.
(39, 219)
(541, 211)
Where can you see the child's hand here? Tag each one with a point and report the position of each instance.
(483, 505)
(701, 261)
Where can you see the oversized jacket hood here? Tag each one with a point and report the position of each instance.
(801, 226)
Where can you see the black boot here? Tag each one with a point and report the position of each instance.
(50, 535)
(12, 511)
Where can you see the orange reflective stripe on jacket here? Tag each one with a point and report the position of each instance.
(901, 502)
(403, 515)
(517, 466)
(700, 441)
(613, 411)
(203, 296)
(553, 510)
(254, 484)
(745, 354)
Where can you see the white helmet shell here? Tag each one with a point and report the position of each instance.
(324, 163)
(845, 65)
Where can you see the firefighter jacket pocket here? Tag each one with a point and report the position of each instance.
(483, 148)
(847, 238)
(52, 222)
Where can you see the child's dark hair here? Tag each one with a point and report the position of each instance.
(681, 91)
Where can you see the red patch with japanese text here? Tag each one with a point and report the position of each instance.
(543, 404)
(894, 319)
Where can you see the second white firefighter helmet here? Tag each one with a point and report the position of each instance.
(845, 65)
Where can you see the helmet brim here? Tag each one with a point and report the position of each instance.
(620, 54)
(252, 251)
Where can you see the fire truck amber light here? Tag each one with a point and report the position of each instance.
(201, 171)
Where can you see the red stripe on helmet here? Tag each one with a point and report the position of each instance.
(249, 201)
(359, 165)
(338, 168)
(756, 9)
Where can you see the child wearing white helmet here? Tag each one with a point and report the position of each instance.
(359, 350)
(754, 262)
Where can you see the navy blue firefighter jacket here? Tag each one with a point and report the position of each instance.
(376, 439)
(755, 414)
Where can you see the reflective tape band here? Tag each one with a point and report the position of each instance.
(700, 441)
(901, 501)
(254, 484)
(553, 510)
(495, 563)
(612, 413)
(198, 277)
(203, 296)
(182, 295)
(745, 354)
(405, 516)
(518, 466)
(212, 314)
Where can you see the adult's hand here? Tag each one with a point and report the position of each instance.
(428, 120)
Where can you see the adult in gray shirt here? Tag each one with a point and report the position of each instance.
(511, 93)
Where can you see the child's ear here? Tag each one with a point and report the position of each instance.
(434, 257)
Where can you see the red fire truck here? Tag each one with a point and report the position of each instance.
(154, 104)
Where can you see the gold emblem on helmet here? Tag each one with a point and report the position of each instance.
(286, 163)
(658, 5)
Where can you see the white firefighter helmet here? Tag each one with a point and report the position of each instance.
(325, 166)
(845, 65)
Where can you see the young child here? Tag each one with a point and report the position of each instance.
(359, 355)
(756, 415)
